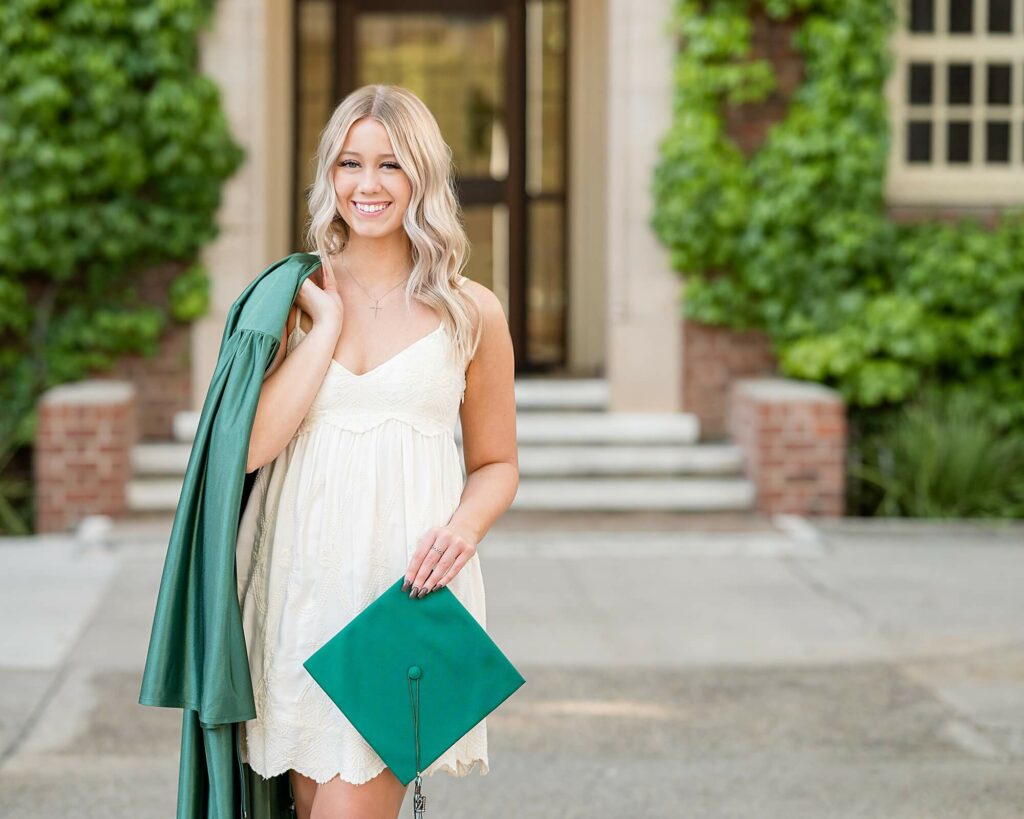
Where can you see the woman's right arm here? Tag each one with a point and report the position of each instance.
(291, 386)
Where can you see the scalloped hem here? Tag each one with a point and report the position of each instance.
(460, 770)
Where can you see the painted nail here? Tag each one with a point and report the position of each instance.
(415, 591)
(423, 591)
(405, 586)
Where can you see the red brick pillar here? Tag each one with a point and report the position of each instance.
(713, 358)
(793, 436)
(83, 448)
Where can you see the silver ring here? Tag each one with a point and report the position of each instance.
(439, 551)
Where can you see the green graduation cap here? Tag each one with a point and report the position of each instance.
(413, 675)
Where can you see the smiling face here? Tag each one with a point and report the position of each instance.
(371, 190)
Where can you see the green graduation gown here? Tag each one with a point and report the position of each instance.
(197, 658)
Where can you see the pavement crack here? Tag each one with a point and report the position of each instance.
(797, 568)
(55, 684)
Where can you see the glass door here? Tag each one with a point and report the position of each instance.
(492, 73)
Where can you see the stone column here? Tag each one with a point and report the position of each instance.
(248, 53)
(644, 366)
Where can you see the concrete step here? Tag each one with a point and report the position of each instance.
(159, 494)
(626, 460)
(562, 427)
(604, 428)
(689, 494)
(635, 494)
(562, 394)
(170, 458)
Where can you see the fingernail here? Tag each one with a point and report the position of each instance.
(423, 591)
(405, 586)
(414, 591)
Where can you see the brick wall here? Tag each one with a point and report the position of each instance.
(82, 458)
(713, 358)
(793, 436)
(163, 383)
(748, 124)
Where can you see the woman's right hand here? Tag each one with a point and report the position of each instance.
(321, 299)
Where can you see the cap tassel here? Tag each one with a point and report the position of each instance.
(419, 801)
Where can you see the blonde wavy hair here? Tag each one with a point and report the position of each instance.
(433, 220)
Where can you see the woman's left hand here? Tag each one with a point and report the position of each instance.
(429, 570)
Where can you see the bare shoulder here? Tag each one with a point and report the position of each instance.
(493, 353)
(489, 308)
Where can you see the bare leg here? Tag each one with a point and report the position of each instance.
(304, 789)
(378, 798)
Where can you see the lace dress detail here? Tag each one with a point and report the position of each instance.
(329, 525)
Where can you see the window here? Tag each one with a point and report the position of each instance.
(956, 103)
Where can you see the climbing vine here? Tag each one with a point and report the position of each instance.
(113, 152)
(795, 239)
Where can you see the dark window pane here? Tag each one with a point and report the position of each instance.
(545, 292)
(961, 15)
(919, 141)
(958, 90)
(958, 142)
(545, 92)
(998, 84)
(922, 15)
(920, 84)
(454, 64)
(997, 141)
(1000, 16)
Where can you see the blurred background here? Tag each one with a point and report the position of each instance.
(763, 266)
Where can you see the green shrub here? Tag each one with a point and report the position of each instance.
(941, 456)
(113, 152)
(795, 239)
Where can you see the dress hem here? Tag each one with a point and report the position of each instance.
(460, 770)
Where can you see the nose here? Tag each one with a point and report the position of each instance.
(368, 182)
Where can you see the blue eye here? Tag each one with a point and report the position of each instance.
(346, 162)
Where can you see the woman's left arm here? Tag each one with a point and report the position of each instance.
(488, 419)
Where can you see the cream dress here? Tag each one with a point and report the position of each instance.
(329, 525)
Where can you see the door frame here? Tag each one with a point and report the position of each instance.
(482, 191)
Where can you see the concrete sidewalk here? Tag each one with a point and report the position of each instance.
(675, 667)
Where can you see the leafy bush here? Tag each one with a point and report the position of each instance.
(113, 151)
(795, 240)
(941, 456)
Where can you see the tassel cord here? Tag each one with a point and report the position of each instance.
(419, 801)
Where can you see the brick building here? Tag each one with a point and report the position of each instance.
(554, 110)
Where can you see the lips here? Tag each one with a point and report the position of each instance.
(359, 206)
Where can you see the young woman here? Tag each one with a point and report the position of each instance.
(359, 478)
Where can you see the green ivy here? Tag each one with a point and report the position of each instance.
(113, 152)
(795, 239)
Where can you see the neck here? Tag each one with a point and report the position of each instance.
(377, 261)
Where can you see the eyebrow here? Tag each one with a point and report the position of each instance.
(356, 153)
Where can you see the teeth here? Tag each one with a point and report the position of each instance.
(370, 208)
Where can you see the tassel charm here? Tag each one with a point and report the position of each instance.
(419, 801)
